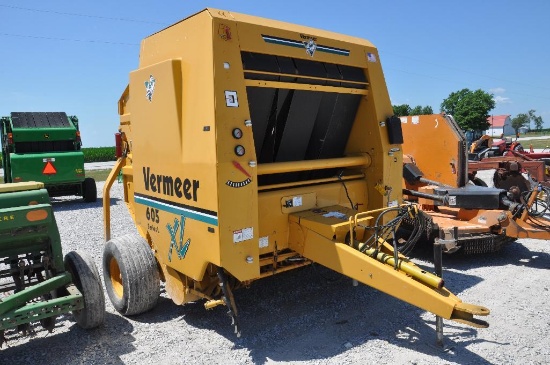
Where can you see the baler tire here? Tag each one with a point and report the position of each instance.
(86, 279)
(89, 190)
(131, 275)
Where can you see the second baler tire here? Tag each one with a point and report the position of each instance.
(86, 278)
(129, 264)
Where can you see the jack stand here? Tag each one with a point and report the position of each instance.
(438, 266)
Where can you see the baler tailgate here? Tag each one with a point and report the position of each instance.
(310, 237)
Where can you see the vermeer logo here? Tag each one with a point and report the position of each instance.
(308, 37)
(170, 186)
(310, 44)
(150, 88)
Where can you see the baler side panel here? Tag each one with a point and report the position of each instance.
(237, 183)
(173, 143)
(384, 173)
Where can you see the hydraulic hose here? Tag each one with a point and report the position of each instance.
(433, 182)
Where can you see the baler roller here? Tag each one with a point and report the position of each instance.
(361, 161)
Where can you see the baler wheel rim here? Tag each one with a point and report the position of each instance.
(116, 277)
(131, 275)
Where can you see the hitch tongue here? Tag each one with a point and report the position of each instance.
(464, 313)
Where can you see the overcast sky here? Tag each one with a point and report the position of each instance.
(75, 56)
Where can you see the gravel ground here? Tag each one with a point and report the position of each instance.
(306, 316)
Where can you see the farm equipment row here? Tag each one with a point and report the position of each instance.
(509, 160)
(460, 210)
(487, 146)
(247, 148)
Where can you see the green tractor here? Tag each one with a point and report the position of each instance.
(46, 147)
(36, 282)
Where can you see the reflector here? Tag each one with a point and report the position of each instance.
(49, 169)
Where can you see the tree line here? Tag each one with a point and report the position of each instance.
(471, 109)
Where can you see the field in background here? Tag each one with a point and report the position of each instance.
(99, 154)
(536, 143)
(535, 133)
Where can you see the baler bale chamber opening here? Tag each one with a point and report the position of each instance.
(252, 147)
(302, 114)
(297, 124)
